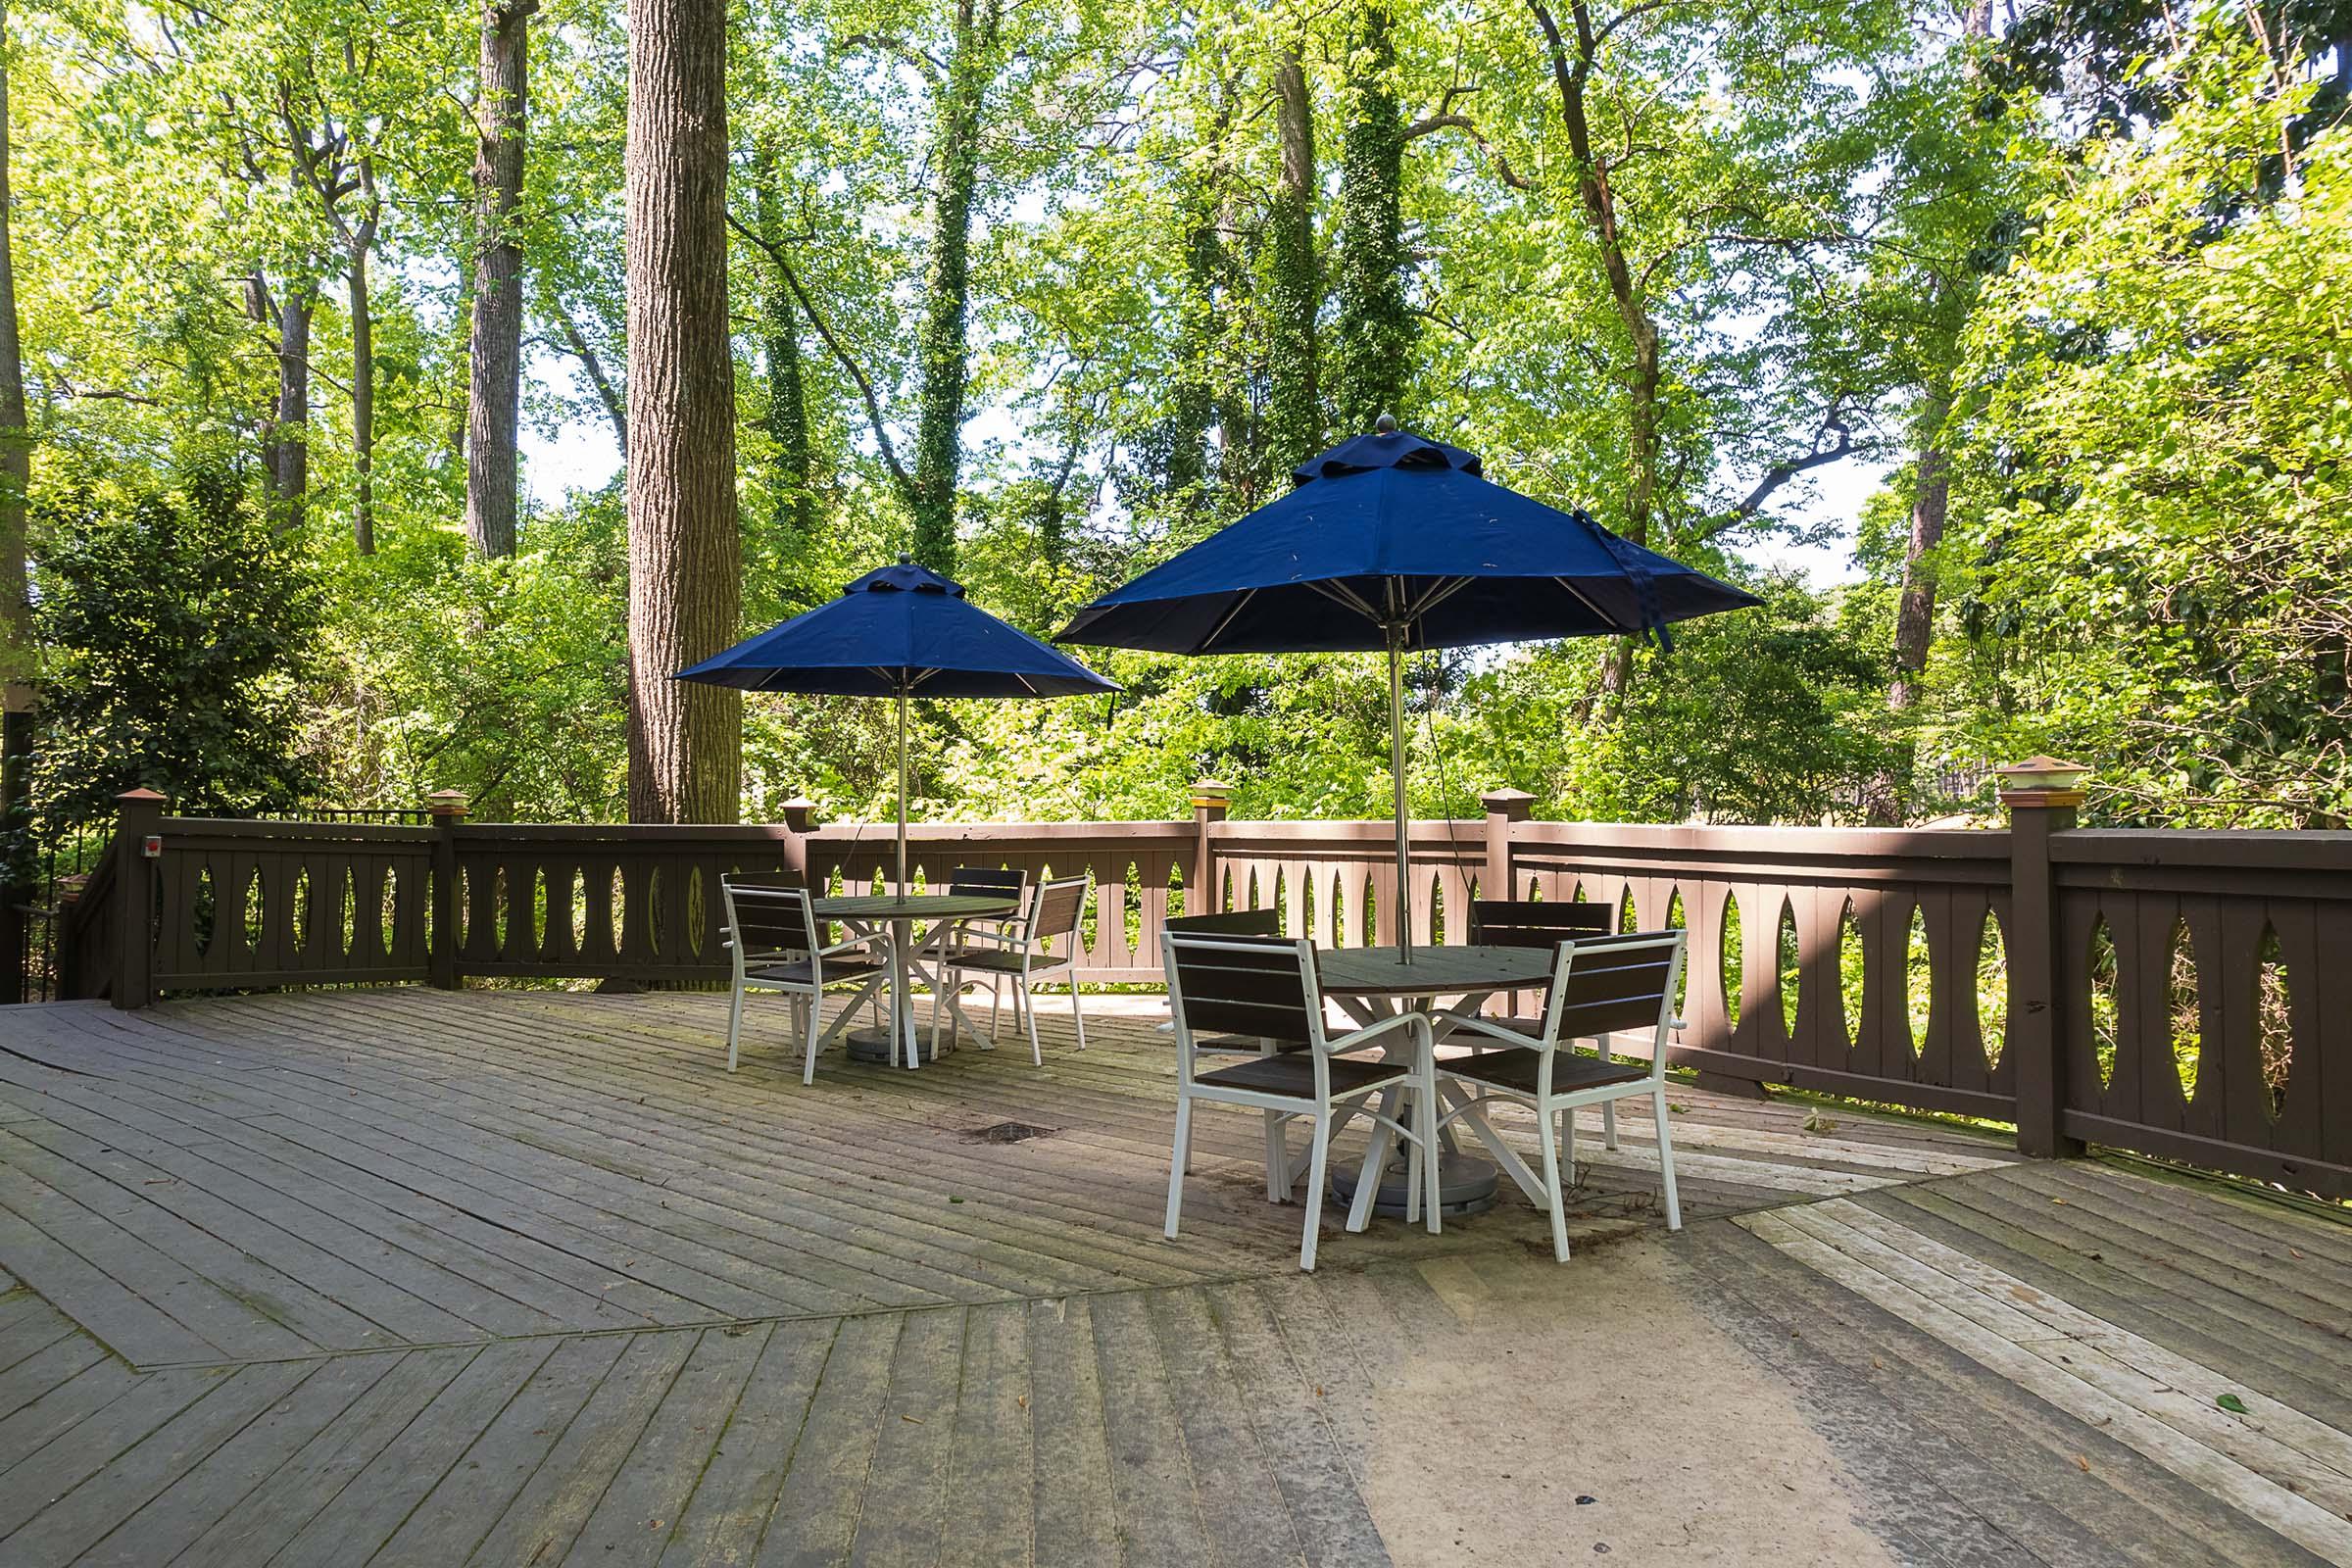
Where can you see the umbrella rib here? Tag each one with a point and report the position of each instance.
(1445, 589)
(1227, 618)
(1585, 600)
(1348, 598)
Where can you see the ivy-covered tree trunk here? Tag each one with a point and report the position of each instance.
(685, 595)
(947, 288)
(780, 347)
(363, 393)
(18, 661)
(1373, 340)
(1192, 404)
(1930, 503)
(1294, 285)
(494, 394)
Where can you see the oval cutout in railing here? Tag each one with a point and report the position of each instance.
(1629, 916)
(1371, 923)
(299, 933)
(1733, 964)
(1437, 911)
(696, 916)
(1311, 905)
(388, 914)
(1792, 966)
(2100, 964)
(500, 908)
(1919, 980)
(1174, 906)
(349, 925)
(656, 914)
(1677, 920)
(2274, 1020)
(1993, 990)
(2183, 1012)
(203, 910)
(580, 909)
(1281, 900)
(1850, 962)
(1338, 911)
(617, 893)
(256, 911)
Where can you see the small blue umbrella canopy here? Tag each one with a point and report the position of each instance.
(1391, 541)
(900, 631)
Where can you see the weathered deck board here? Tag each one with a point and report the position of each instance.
(412, 1278)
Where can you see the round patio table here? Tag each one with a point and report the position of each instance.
(1374, 983)
(939, 914)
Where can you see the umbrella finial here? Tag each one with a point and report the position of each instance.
(905, 557)
(1386, 424)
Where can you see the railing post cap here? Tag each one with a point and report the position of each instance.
(1517, 804)
(2043, 783)
(140, 797)
(1211, 794)
(798, 811)
(445, 802)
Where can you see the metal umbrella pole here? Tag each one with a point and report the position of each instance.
(1404, 880)
(901, 884)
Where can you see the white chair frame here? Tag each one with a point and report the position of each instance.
(1022, 937)
(789, 907)
(1555, 1108)
(1321, 1108)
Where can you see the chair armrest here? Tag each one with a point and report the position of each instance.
(1474, 1024)
(1371, 1032)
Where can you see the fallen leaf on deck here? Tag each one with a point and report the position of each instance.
(2232, 1404)
(2081, 1463)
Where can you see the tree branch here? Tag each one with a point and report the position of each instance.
(580, 349)
(1780, 473)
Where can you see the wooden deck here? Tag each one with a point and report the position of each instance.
(400, 1276)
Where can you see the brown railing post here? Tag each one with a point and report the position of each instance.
(141, 817)
(1504, 809)
(448, 809)
(1210, 802)
(2041, 797)
(800, 816)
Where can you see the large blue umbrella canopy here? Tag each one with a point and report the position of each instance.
(1391, 541)
(901, 631)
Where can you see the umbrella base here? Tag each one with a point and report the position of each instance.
(879, 1046)
(1467, 1185)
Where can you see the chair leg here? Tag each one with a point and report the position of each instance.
(1077, 1013)
(1367, 1177)
(1036, 1054)
(1551, 1182)
(1316, 1169)
(1567, 1121)
(1178, 1161)
(1431, 1165)
(1278, 1160)
(734, 1026)
(810, 1010)
(1674, 1203)
(1608, 1124)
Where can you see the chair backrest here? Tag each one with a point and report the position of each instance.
(768, 914)
(981, 879)
(1058, 909)
(1261, 986)
(1525, 923)
(1232, 923)
(1610, 983)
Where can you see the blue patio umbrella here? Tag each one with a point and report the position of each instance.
(1394, 542)
(900, 631)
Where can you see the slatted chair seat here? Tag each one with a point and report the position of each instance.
(987, 961)
(1254, 989)
(1294, 1074)
(801, 972)
(1516, 1070)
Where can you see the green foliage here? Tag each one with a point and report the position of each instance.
(183, 633)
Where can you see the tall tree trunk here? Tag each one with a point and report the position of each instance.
(1193, 402)
(947, 288)
(285, 422)
(685, 553)
(1295, 290)
(18, 663)
(1373, 340)
(787, 392)
(494, 394)
(1931, 502)
(363, 400)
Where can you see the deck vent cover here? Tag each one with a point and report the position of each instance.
(1005, 1131)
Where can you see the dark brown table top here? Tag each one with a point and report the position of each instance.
(921, 907)
(1434, 972)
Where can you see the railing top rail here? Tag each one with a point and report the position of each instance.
(1791, 842)
(641, 834)
(840, 835)
(1469, 831)
(183, 830)
(2231, 847)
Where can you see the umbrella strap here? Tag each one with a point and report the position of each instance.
(1637, 572)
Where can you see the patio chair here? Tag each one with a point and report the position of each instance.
(774, 944)
(1031, 948)
(994, 881)
(1266, 987)
(1604, 983)
(1232, 923)
(1528, 923)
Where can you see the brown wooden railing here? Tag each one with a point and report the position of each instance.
(2185, 994)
